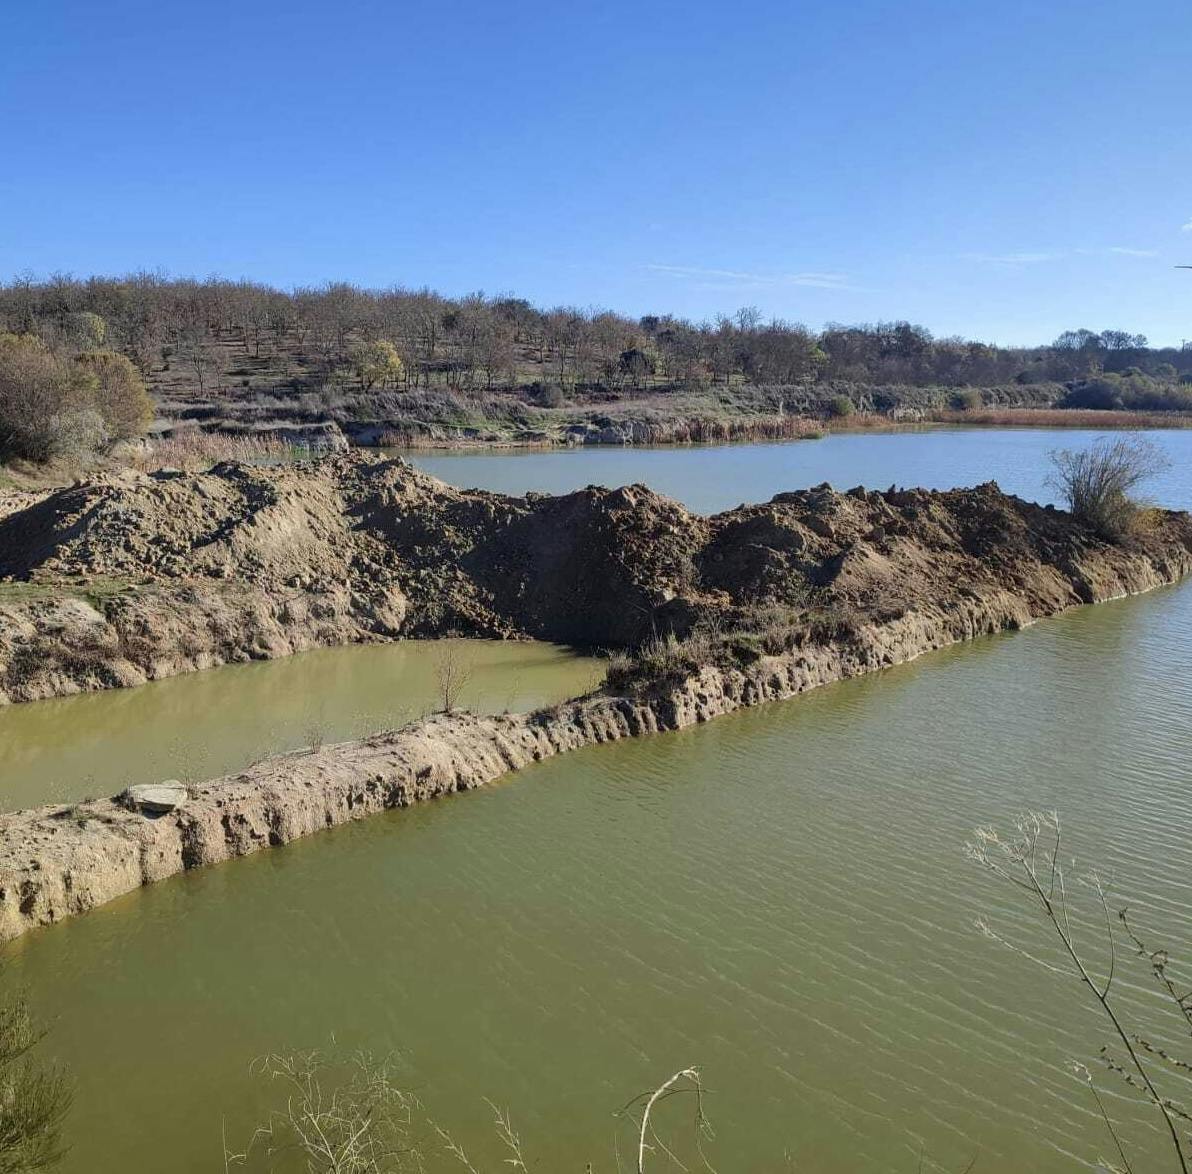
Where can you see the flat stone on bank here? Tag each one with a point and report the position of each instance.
(157, 798)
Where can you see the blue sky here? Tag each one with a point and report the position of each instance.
(1001, 170)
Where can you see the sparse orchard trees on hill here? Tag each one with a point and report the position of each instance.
(338, 349)
(376, 363)
(476, 338)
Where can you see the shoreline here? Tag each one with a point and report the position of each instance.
(774, 430)
(61, 861)
(22, 485)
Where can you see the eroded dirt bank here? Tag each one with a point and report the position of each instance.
(765, 602)
(133, 577)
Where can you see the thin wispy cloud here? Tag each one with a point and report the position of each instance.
(1186, 227)
(742, 279)
(1011, 260)
(1023, 260)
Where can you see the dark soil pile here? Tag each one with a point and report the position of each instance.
(129, 576)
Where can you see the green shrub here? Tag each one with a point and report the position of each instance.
(40, 400)
(34, 1100)
(51, 407)
(1103, 393)
(118, 393)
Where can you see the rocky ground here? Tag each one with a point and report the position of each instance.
(133, 576)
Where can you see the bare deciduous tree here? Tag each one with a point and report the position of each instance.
(454, 669)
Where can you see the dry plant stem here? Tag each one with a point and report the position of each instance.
(1084, 1074)
(509, 1138)
(362, 1126)
(1053, 900)
(453, 671)
(1159, 963)
(665, 1089)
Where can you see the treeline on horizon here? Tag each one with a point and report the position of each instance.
(339, 335)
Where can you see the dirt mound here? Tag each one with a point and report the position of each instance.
(131, 576)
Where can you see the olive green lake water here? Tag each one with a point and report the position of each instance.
(779, 897)
(200, 725)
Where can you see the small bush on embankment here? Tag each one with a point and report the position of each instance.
(1098, 483)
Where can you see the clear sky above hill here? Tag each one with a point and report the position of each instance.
(1003, 169)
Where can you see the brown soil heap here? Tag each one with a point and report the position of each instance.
(133, 577)
(123, 579)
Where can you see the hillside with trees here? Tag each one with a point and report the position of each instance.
(77, 357)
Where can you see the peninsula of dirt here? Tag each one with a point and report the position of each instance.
(120, 580)
(131, 577)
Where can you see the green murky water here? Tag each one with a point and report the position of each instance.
(779, 897)
(200, 725)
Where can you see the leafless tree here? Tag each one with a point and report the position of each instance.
(454, 669)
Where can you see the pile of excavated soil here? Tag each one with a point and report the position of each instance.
(130, 577)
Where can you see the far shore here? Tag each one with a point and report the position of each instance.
(1009, 418)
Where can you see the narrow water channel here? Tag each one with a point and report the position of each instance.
(200, 725)
(779, 896)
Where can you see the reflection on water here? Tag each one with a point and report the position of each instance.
(200, 725)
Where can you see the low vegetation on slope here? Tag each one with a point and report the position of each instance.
(411, 366)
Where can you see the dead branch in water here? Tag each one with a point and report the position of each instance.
(1030, 861)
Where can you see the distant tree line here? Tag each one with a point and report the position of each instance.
(406, 338)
